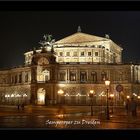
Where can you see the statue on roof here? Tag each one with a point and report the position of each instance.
(47, 37)
(107, 36)
(79, 29)
(47, 40)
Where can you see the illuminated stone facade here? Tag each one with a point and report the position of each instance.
(84, 48)
(65, 71)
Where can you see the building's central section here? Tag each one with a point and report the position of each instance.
(84, 48)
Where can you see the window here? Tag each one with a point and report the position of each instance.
(114, 58)
(103, 76)
(75, 54)
(16, 79)
(103, 53)
(83, 76)
(62, 76)
(94, 76)
(61, 53)
(20, 78)
(96, 53)
(82, 53)
(89, 53)
(12, 79)
(26, 77)
(121, 76)
(46, 75)
(72, 76)
(67, 53)
(93, 46)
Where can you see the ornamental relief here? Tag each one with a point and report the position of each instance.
(16, 90)
(3, 79)
(75, 90)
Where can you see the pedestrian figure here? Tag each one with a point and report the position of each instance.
(133, 106)
(127, 106)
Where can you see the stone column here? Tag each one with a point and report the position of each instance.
(33, 99)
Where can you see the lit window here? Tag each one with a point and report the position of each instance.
(82, 53)
(96, 53)
(12, 79)
(75, 54)
(103, 76)
(94, 76)
(83, 76)
(62, 76)
(67, 53)
(89, 53)
(20, 78)
(26, 77)
(61, 53)
(16, 79)
(72, 76)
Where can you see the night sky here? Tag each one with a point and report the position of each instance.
(21, 31)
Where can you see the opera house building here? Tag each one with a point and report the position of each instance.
(69, 71)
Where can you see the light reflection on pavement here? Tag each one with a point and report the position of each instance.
(41, 121)
(50, 119)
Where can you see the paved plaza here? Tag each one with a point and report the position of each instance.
(67, 117)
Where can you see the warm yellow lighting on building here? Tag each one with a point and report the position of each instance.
(12, 95)
(112, 95)
(60, 92)
(18, 95)
(134, 94)
(107, 82)
(66, 94)
(62, 85)
(91, 91)
(24, 95)
(78, 94)
(138, 97)
(5, 96)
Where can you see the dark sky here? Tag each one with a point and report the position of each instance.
(20, 31)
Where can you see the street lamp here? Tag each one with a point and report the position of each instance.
(107, 83)
(91, 96)
(60, 92)
(128, 97)
(138, 99)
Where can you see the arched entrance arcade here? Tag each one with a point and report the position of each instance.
(41, 94)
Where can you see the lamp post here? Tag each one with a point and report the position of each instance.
(112, 104)
(18, 97)
(138, 99)
(107, 83)
(91, 96)
(60, 92)
(60, 109)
